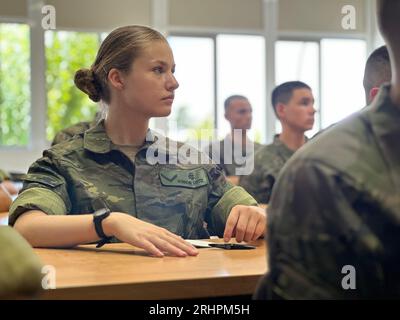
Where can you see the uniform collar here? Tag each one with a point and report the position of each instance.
(384, 117)
(283, 148)
(96, 139)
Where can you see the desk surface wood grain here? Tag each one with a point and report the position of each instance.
(120, 271)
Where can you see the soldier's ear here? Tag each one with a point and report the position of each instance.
(116, 79)
(280, 110)
(374, 91)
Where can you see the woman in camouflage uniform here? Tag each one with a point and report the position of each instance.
(153, 205)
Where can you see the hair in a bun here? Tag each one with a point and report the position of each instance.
(118, 50)
(85, 80)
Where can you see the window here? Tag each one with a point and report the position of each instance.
(66, 52)
(193, 108)
(298, 60)
(241, 70)
(338, 63)
(343, 63)
(14, 84)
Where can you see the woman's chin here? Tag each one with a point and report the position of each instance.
(165, 111)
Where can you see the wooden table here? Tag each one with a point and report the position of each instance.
(120, 271)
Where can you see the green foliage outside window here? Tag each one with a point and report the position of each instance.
(66, 52)
(14, 84)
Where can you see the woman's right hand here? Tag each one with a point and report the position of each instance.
(155, 240)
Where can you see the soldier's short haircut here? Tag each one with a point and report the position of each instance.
(283, 93)
(231, 98)
(377, 70)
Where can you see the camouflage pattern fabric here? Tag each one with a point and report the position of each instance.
(68, 133)
(72, 176)
(336, 204)
(229, 166)
(268, 162)
(20, 275)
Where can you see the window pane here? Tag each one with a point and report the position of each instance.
(14, 84)
(241, 70)
(66, 52)
(193, 106)
(298, 60)
(343, 62)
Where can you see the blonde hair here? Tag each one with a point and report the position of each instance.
(118, 50)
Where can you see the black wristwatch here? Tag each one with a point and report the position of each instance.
(98, 217)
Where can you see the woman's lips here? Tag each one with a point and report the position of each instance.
(168, 100)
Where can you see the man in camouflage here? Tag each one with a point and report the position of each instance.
(236, 146)
(293, 103)
(336, 205)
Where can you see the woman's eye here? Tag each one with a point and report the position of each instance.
(158, 70)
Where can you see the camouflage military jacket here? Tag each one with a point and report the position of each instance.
(334, 216)
(268, 162)
(72, 177)
(20, 275)
(68, 133)
(228, 164)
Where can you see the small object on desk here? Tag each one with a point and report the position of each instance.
(199, 243)
(231, 246)
(226, 246)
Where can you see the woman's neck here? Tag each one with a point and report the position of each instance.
(125, 127)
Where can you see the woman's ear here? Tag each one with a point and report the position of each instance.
(116, 79)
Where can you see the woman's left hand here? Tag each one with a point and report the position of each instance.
(246, 223)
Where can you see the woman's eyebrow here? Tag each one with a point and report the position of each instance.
(162, 62)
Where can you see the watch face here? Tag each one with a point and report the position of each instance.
(100, 212)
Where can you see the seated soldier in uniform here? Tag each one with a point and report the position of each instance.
(333, 220)
(293, 103)
(106, 183)
(236, 145)
(377, 72)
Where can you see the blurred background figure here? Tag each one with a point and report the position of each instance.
(293, 104)
(377, 72)
(238, 112)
